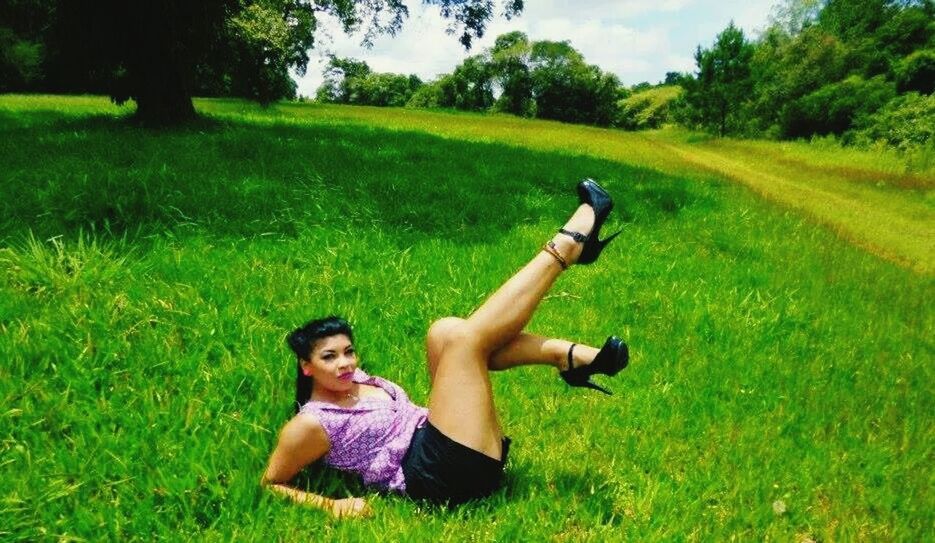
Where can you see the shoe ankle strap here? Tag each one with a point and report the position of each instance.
(577, 236)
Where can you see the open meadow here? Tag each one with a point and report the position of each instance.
(777, 300)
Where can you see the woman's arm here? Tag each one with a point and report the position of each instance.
(301, 442)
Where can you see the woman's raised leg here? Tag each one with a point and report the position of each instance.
(461, 402)
(523, 350)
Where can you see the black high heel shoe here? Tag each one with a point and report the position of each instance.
(612, 358)
(592, 194)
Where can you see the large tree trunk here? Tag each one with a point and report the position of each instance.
(164, 106)
(161, 68)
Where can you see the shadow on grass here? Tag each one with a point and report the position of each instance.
(106, 174)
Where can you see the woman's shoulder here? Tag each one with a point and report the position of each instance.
(302, 428)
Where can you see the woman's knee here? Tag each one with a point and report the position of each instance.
(440, 331)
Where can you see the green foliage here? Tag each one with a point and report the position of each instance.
(429, 95)
(510, 63)
(793, 16)
(568, 89)
(469, 87)
(835, 108)
(916, 72)
(20, 61)
(383, 89)
(807, 63)
(906, 123)
(267, 39)
(716, 97)
(545, 79)
(853, 20)
(785, 68)
(648, 108)
(339, 74)
(907, 28)
(350, 81)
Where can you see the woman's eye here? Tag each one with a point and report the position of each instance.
(328, 357)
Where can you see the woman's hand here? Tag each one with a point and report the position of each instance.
(351, 508)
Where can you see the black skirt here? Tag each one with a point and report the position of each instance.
(440, 470)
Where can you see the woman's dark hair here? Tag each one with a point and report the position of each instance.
(302, 342)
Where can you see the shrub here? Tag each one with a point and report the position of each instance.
(916, 72)
(907, 122)
(647, 109)
(429, 95)
(382, 89)
(835, 108)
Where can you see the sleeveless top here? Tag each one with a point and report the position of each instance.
(372, 437)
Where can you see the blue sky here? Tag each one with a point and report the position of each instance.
(637, 40)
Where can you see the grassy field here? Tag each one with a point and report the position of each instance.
(781, 378)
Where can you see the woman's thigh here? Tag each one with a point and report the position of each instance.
(461, 401)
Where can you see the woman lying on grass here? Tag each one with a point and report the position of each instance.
(455, 450)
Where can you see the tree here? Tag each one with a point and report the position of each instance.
(339, 74)
(267, 38)
(510, 67)
(793, 16)
(784, 68)
(22, 52)
(906, 123)
(837, 107)
(20, 61)
(716, 96)
(853, 20)
(383, 89)
(152, 52)
(470, 86)
(916, 72)
(674, 78)
(878, 33)
(568, 89)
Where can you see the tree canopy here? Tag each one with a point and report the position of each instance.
(821, 67)
(723, 82)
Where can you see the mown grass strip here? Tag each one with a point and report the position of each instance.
(890, 227)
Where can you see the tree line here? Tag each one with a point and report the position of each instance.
(545, 79)
(860, 69)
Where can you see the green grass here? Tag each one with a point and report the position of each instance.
(781, 378)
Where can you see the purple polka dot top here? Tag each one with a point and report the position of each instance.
(371, 437)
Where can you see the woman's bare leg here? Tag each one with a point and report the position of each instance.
(461, 400)
(523, 350)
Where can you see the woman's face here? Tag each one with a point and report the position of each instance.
(332, 363)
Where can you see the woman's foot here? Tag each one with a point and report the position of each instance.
(578, 241)
(612, 358)
(581, 355)
(582, 221)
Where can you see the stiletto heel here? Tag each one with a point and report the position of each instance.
(613, 357)
(592, 194)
